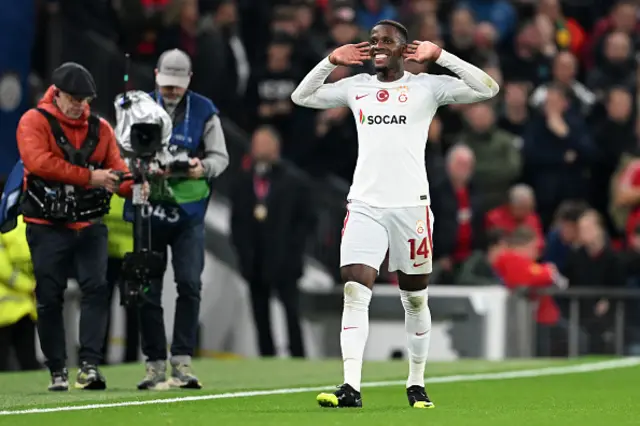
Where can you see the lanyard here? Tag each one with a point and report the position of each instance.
(187, 114)
(261, 188)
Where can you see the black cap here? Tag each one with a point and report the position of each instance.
(74, 79)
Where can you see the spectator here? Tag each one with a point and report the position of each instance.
(140, 22)
(373, 11)
(558, 151)
(271, 87)
(520, 211)
(270, 219)
(617, 68)
(568, 34)
(499, 13)
(565, 68)
(459, 207)
(613, 135)
(622, 18)
(625, 203)
(477, 269)
(335, 146)
(497, 156)
(461, 38)
(434, 159)
(429, 29)
(181, 27)
(594, 264)
(221, 68)
(310, 42)
(524, 60)
(563, 237)
(516, 267)
(515, 111)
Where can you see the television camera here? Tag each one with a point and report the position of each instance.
(143, 131)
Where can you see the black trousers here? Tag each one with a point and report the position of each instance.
(21, 338)
(287, 290)
(132, 329)
(56, 253)
(187, 255)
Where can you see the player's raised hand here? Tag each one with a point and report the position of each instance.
(422, 51)
(350, 54)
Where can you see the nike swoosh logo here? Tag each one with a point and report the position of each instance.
(421, 334)
(358, 97)
(417, 265)
(348, 328)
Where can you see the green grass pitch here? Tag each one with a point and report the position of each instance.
(239, 392)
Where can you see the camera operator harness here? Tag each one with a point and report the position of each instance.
(61, 203)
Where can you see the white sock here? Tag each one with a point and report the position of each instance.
(355, 330)
(417, 323)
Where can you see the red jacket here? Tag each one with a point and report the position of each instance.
(42, 156)
(501, 217)
(516, 270)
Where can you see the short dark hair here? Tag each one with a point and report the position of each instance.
(521, 236)
(397, 25)
(570, 211)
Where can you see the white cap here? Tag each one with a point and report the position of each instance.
(174, 69)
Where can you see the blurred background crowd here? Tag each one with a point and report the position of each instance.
(549, 169)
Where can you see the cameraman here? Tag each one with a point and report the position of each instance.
(68, 155)
(177, 212)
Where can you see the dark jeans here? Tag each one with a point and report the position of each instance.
(187, 255)
(288, 294)
(132, 328)
(56, 252)
(21, 337)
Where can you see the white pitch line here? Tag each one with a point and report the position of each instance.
(539, 372)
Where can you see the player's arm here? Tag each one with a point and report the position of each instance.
(474, 85)
(312, 92)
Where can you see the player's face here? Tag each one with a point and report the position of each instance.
(387, 47)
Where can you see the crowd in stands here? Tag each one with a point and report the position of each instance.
(549, 169)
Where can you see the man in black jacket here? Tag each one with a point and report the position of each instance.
(270, 220)
(460, 214)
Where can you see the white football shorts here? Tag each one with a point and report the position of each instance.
(406, 232)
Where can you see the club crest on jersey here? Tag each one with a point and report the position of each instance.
(381, 119)
(420, 227)
(403, 98)
(382, 95)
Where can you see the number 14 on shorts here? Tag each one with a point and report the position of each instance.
(418, 249)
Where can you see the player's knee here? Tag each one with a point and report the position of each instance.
(362, 274)
(414, 302)
(356, 296)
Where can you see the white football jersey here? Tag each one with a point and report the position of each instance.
(393, 120)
